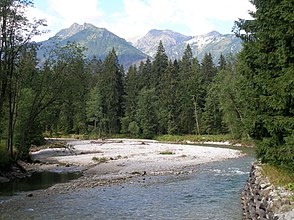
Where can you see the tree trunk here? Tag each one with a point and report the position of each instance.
(196, 114)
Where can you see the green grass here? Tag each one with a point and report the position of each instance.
(279, 177)
(166, 153)
(100, 159)
(202, 138)
(193, 138)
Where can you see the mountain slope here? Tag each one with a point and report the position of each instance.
(171, 40)
(97, 41)
(175, 44)
(216, 44)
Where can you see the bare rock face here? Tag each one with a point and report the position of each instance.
(176, 43)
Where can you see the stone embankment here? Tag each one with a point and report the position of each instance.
(261, 200)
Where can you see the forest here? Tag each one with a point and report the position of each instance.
(250, 96)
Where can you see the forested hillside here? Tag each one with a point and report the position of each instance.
(250, 96)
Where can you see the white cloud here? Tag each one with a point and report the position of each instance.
(139, 16)
(63, 13)
(70, 11)
(194, 16)
(36, 14)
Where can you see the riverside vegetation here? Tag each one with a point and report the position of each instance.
(250, 96)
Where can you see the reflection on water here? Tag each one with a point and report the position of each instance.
(38, 180)
(213, 193)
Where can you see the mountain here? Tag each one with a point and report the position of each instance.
(176, 43)
(171, 41)
(97, 41)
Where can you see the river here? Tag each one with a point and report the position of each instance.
(213, 192)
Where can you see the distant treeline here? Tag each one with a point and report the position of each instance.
(250, 96)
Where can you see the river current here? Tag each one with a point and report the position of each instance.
(212, 193)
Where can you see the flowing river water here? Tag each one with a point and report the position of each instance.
(212, 193)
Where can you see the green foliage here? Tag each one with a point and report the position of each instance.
(290, 186)
(267, 65)
(111, 90)
(134, 129)
(146, 112)
(166, 152)
(100, 159)
(193, 138)
(226, 89)
(278, 176)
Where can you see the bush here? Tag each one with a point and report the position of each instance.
(134, 129)
(100, 159)
(166, 153)
(278, 155)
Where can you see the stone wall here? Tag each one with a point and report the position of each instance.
(261, 200)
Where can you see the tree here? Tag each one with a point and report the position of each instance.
(94, 98)
(207, 68)
(16, 33)
(186, 112)
(112, 93)
(146, 112)
(227, 96)
(131, 89)
(158, 66)
(94, 111)
(145, 73)
(267, 65)
(222, 63)
(168, 101)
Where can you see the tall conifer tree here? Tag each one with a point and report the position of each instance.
(267, 64)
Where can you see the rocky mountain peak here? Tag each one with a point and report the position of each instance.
(164, 34)
(74, 29)
(97, 41)
(175, 44)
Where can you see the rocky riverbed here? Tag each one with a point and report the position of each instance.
(118, 160)
(125, 165)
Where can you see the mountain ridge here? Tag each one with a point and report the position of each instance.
(212, 42)
(100, 41)
(97, 41)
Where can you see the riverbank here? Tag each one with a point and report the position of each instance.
(261, 199)
(118, 160)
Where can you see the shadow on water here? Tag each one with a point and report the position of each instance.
(38, 180)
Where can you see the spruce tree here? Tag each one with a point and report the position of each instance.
(112, 93)
(267, 65)
(208, 68)
(158, 67)
(186, 107)
(146, 112)
(168, 101)
(131, 89)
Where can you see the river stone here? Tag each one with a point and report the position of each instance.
(266, 192)
(287, 216)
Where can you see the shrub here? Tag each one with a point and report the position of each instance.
(166, 152)
(100, 159)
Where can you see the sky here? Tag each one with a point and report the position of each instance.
(134, 18)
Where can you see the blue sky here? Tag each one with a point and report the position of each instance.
(134, 18)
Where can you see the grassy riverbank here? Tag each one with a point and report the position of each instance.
(194, 138)
(279, 177)
(203, 138)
